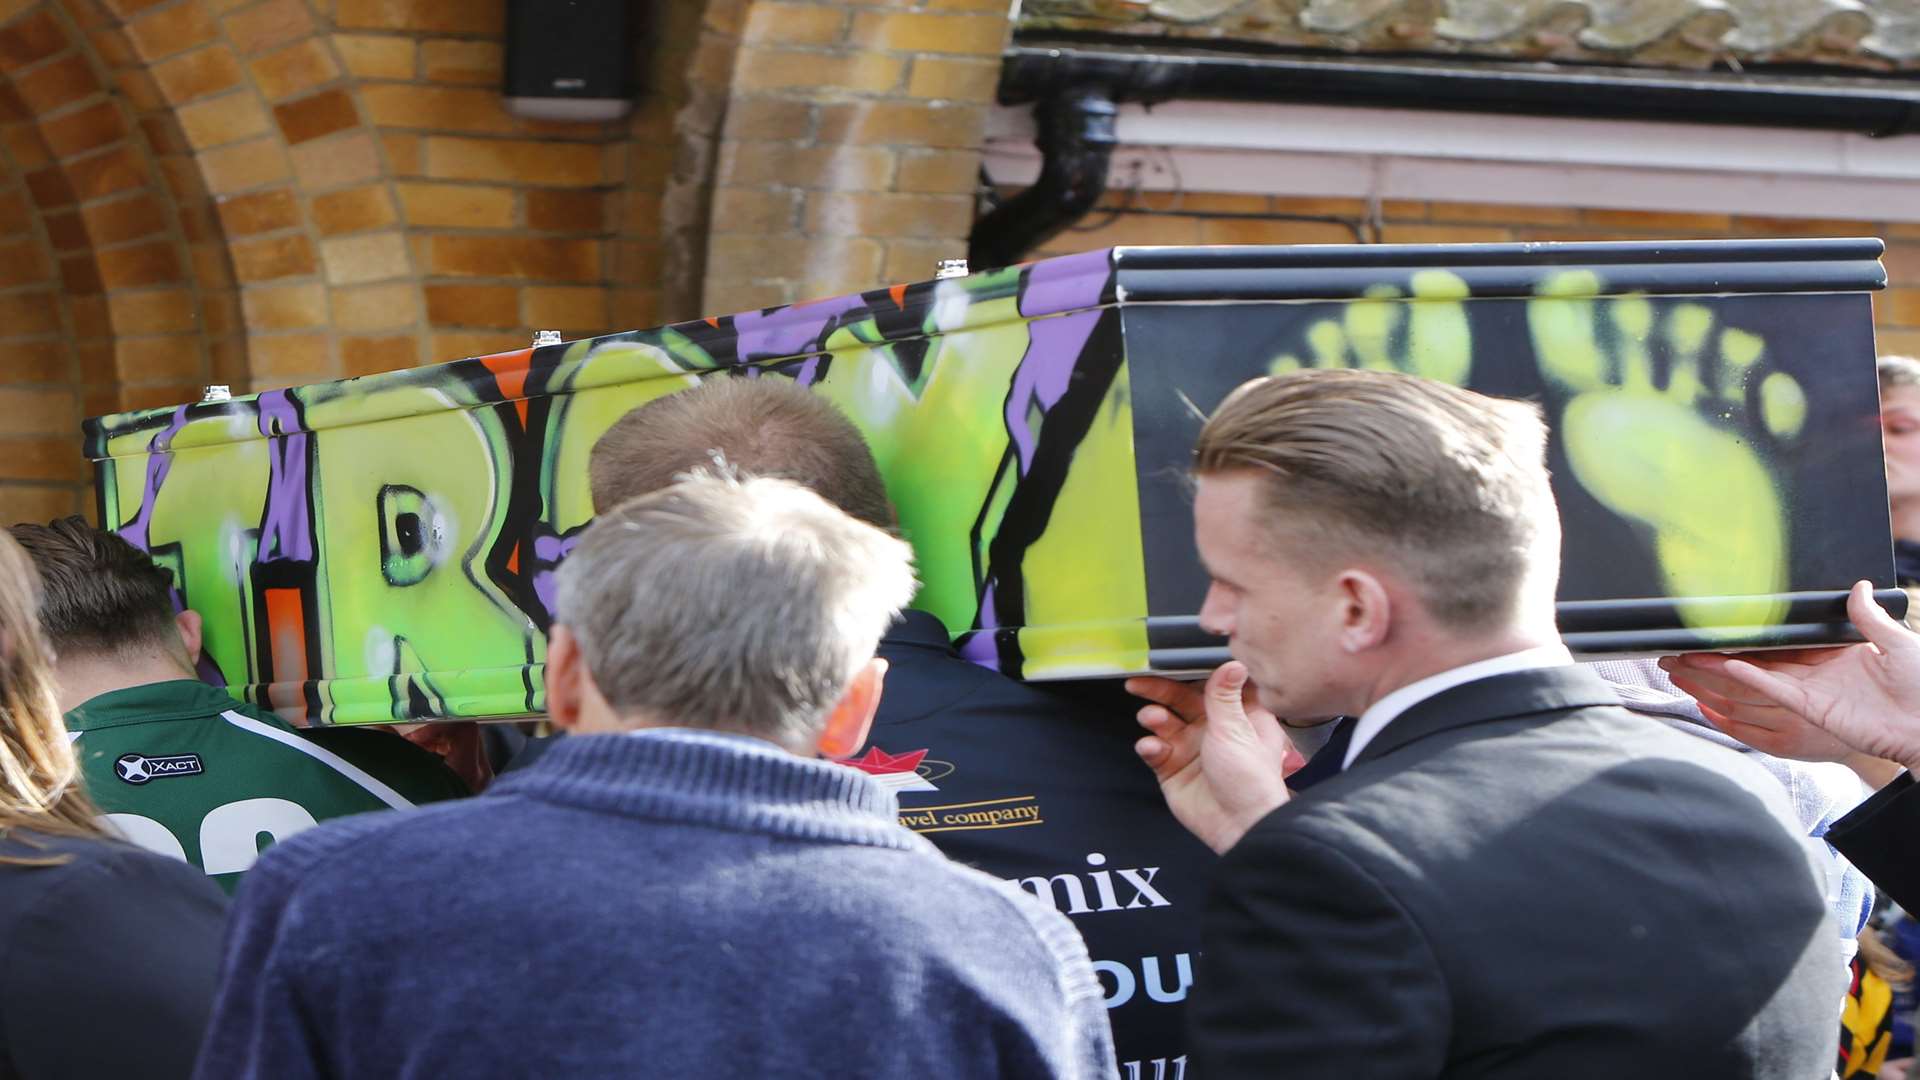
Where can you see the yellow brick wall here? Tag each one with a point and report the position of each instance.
(99, 304)
(273, 192)
(849, 154)
(270, 192)
(380, 207)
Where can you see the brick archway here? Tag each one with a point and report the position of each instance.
(100, 309)
(270, 192)
(356, 198)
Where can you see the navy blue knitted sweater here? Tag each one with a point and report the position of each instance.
(666, 904)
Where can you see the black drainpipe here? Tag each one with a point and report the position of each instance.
(1076, 141)
(1076, 87)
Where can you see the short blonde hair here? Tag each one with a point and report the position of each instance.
(1449, 485)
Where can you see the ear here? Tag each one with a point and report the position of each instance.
(565, 669)
(852, 716)
(189, 625)
(1366, 611)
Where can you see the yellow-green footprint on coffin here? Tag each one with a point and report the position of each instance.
(1425, 333)
(1685, 459)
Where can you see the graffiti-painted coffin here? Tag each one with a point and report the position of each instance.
(383, 548)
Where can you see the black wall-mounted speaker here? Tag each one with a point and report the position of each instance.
(569, 59)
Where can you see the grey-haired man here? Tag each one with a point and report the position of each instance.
(718, 901)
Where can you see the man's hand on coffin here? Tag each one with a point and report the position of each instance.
(1220, 758)
(459, 745)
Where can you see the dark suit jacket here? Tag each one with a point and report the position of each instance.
(1881, 837)
(1517, 878)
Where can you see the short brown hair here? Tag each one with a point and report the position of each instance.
(765, 426)
(100, 594)
(1898, 371)
(1450, 485)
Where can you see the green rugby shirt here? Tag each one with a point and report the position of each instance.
(182, 769)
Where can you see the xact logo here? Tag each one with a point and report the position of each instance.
(137, 769)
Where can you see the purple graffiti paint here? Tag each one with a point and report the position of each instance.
(1072, 285)
(548, 551)
(138, 532)
(286, 533)
(787, 331)
(1069, 284)
(1043, 376)
(159, 464)
(980, 649)
(551, 549)
(547, 589)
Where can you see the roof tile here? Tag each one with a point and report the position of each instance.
(1665, 33)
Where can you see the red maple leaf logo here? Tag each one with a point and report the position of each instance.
(879, 763)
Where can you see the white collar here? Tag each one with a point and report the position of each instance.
(1383, 712)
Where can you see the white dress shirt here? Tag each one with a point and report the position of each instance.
(1383, 712)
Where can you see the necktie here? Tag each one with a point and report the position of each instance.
(1330, 759)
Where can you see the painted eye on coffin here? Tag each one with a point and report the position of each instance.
(406, 545)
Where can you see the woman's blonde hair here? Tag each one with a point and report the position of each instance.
(39, 776)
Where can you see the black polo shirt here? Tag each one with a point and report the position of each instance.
(1038, 784)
